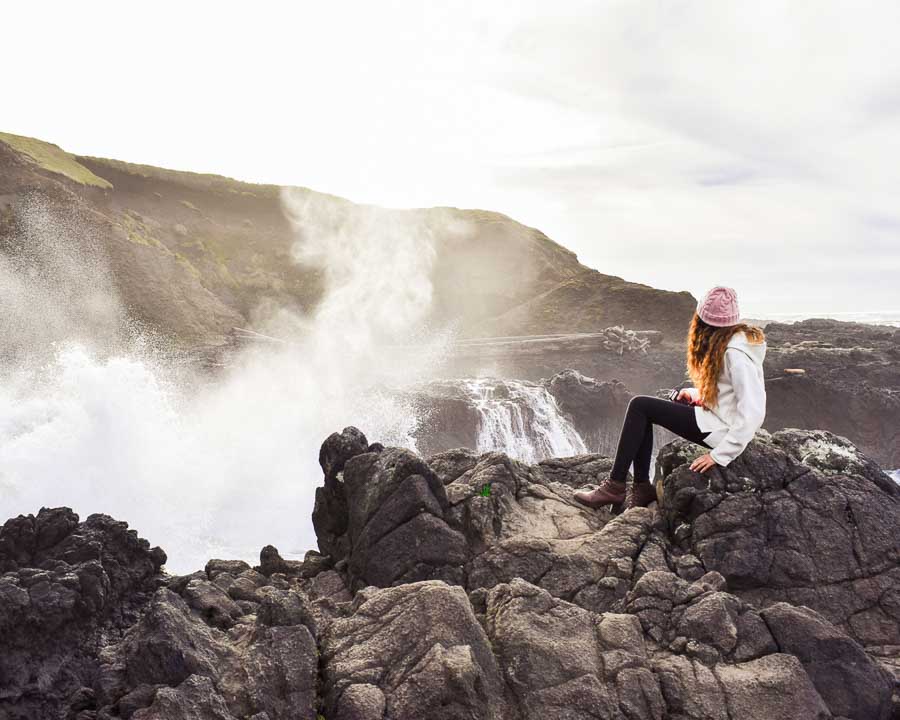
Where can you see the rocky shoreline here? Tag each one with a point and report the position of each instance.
(768, 589)
(850, 384)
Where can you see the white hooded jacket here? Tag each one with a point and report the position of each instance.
(741, 405)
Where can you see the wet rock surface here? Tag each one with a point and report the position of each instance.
(763, 590)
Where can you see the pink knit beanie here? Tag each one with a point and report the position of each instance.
(719, 307)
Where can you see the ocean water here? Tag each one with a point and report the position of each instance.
(874, 317)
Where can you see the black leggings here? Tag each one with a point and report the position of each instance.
(636, 440)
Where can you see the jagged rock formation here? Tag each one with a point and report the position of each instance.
(802, 517)
(764, 590)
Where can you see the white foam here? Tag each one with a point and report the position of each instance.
(219, 467)
(523, 420)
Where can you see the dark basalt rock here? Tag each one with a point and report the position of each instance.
(799, 516)
(596, 408)
(763, 590)
(396, 527)
(338, 449)
(849, 680)
(64, 584)
(330, 510)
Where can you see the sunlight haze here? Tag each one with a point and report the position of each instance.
(680, 145)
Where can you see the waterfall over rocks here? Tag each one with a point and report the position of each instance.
(561, 416)
(523, 420)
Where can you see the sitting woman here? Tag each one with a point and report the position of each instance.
(723, 411)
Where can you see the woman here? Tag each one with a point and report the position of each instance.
(723, 411)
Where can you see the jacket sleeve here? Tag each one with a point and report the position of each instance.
(751, 407)
(693, 392)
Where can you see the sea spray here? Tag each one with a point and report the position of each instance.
(56, 285)
(222, 466)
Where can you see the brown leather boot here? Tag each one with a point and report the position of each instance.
(610, 492)
(640, 494)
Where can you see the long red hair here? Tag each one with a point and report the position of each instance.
(706, 354)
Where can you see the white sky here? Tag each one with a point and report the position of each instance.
(678, 144)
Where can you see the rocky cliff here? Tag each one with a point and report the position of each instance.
(192, 256)
(474, 586)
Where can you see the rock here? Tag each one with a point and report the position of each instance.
(788, 520)
(338, 449)
(62, 580)
(600, 669)
(712, 620)
(690, 689)
(420, 645)
(578, 470)
(396, 523)
(850, 682)
(689, 567)
(330, 511)
(597, 408)
(833, 455)
(448, 417)
(195, 699)
(271, 562)
(142, 696)
(774, 687)
(449, 465)
(286, 607)
(167, 645)
(246, 587)
(361, 701)
(315, 562)
(449, 603)
(260, 669)
(177, 583)
(213, 603)
(232, 567)
(329, 584)
(849, 387)
(754, 638)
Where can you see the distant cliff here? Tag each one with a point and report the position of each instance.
(193, 255)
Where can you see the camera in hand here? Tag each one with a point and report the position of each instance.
(673, 396)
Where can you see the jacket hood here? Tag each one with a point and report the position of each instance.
(756, 352)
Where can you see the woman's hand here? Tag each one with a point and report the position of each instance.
(686, 397)
(703, 463)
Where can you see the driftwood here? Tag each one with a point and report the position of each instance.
(618, 339)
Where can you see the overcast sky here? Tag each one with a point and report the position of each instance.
(678, 144)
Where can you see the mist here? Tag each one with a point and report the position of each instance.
(96, 414)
